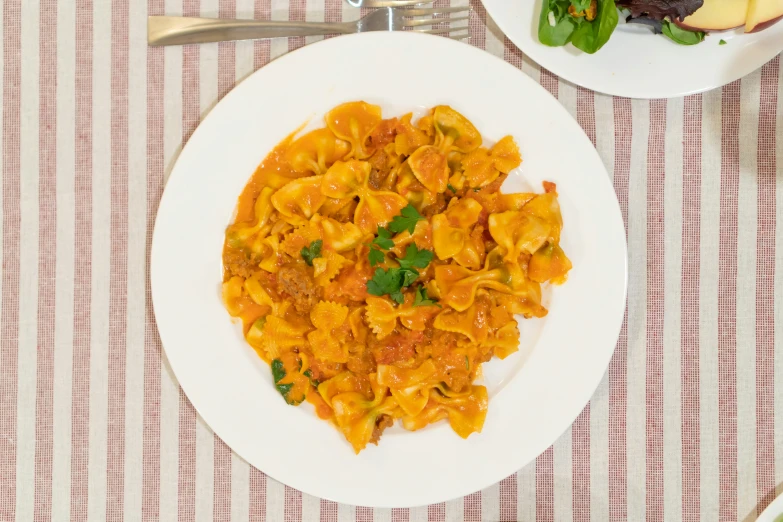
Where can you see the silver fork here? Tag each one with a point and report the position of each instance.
(179, 30)
(386, 3)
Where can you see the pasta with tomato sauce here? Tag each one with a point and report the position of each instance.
(375, 265)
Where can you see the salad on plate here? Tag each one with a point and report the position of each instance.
(588, 24)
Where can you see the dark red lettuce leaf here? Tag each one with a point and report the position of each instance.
(660, 9)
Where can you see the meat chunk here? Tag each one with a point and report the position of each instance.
(237, 263)
(383, 422)
(297, 282)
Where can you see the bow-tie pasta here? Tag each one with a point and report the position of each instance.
(375, 265)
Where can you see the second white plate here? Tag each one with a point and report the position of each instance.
(636, 63)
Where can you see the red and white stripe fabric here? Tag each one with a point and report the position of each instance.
(686, 425)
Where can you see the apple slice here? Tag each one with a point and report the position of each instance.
(762, 14)
(719, 15)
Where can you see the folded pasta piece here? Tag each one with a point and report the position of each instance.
(315, 151)
(382, 315)
(343, 382)
(376, 207)
(430, 166)
(518, 232)
(547, 208)
(453, 131)
(451, 229)
(410, 387)
(280, 335)
(412, 189)
(335, 235)
(300, 199)
(239, 234)
(327, 267)
(421, 237)
(549, 263)
(353, 122)
(328, 317)
(471, 323)
(457, 286)
(505, 155)
(465, 412)
(409, 138)
(504, 341)
(356, 416)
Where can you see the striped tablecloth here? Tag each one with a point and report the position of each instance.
(686, 425)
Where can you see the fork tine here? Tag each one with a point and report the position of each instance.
(461, 37)
(433, 21)
(373, 4)
(444, 30)
(426, 11)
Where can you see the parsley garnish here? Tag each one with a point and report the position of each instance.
(376, 256)
(278, 374)
(391, 282)
(451, 187)
(311, 252)
(722, 42)
(388, 282)
(415, 257)
(422, 299)
(383, 240)
(406, 221)
(309, 376)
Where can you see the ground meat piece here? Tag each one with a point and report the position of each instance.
(376, 179)
(396, 348)
(487, 356)
(378, 160)
(383, 133)
(237, 263)
(383, 422)
(297, 282)
(437, 207)
(362, 364)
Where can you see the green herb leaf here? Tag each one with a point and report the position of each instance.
(409, 275)
(278, 373)
(477, 189)
(451, 187)
(309, 376)
(467, 363)
(375, 256)
(415, 257)
(722, 42)
(559, 33)
(591, 36)
(311, 252)
(384, 281)
(391, 282)
(383, 240)
(422, 299)
(580, 5)
(397, 297)
(407, 220)
(680, 35)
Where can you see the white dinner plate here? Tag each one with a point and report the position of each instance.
(774, 512)
(534, 395)
(636, 63)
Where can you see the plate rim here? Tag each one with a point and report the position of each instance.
(167, 196)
